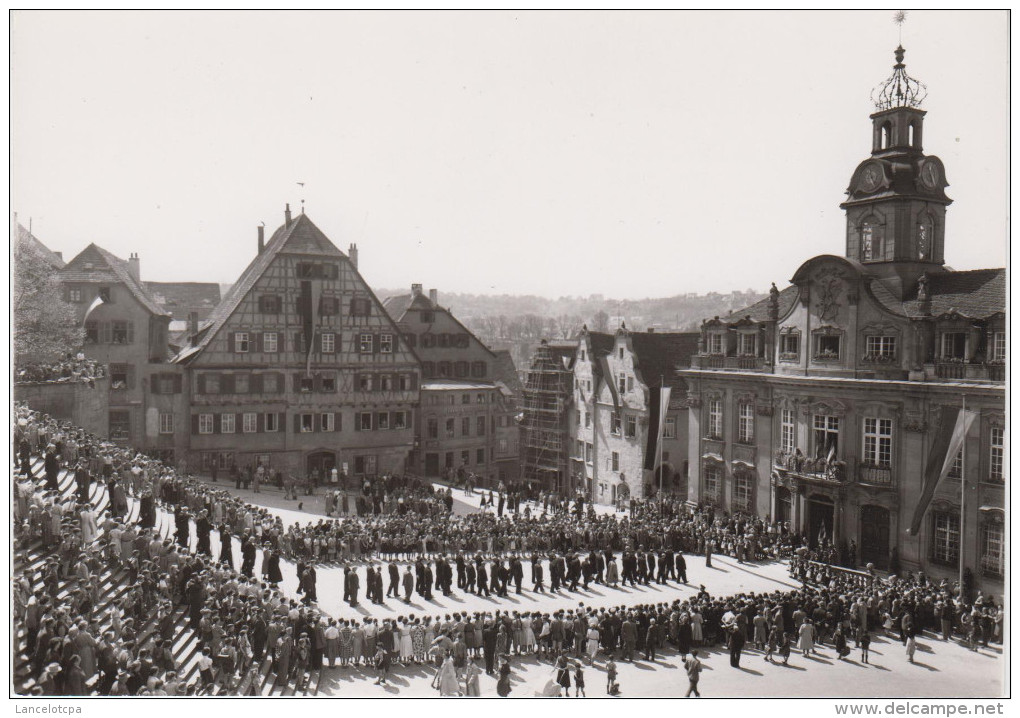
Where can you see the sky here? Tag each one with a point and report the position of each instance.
(630, 154)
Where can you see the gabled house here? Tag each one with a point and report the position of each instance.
(469, 395)
(299, 368)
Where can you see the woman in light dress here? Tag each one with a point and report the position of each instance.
(527, 634)
(593, 643)
(612, 573)
(471, 685)
(446, 678)
(406, 646)
(332, 642)
(696, 634)
(418, 644)
(807, 637)
(89, 529)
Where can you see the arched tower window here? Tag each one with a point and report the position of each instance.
(925, 237)
(871, 242)
(910, 135)
(886, 136)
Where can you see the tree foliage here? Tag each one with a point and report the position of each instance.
(45, 326)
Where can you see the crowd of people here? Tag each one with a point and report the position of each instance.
(78, 644)
(71, 368)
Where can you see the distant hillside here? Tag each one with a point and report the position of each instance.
(519, 322)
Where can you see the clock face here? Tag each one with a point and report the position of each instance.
(930, 174)
(870, 178)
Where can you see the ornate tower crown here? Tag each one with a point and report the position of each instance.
(900, 89)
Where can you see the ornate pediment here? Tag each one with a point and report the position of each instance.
(828, 407)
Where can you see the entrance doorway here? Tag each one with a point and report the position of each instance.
(784, 504)
(821, 511)
(432, 464)
(321, 461)
(875, 536)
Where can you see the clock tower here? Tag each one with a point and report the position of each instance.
(896, 202)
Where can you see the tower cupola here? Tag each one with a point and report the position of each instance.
(896, 202)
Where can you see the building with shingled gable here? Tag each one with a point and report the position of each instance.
(128, 332)
(821, 405)
(469, 395)
(299, 368)
(624, 383)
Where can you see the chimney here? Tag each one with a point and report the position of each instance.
(352, 252)
(286, 216)
(415, 290)
(434, 296)
(651, 330)
(134, 267)
(262, 239)
(192, 323)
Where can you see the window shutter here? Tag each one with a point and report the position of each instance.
(216, 423)
(130, 376)
(317, 383)
(256, 342)
(227, 384)
(337, 418)
(260, 422)
(413, 383)
(281, 380)
(154, 382)
(194, 423)
(255, 384)
(178, 381)
(105, 333)
(130, 332)
(297, 423)
(281, 421)
(357, 421)
(201, 383)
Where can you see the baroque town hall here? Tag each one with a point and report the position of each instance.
(818, 405)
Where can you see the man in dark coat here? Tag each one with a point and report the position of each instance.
(408, 584)
(517, 573)
(394, 588)
(353, 584)
(735, 640)
(461, 571)
(681, 566)
(489, 647)
(536, 575)
(428, 582)
(470, 577)
(308, 584)
(83, 480)
(483, 577)
(203, 527)
(248, 551)
(51, 467)
(183, 523)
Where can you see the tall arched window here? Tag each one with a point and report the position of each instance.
(871, 242)
(886, 136)
(910, 135)
(925, 237)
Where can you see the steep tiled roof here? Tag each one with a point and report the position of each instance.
(397, 306)
(976, 293)
(181, 298)
(659, 355)
(301, 236)
(506, 372)
(95, 265)
(601, 343)
(27, 238)
(759, 311)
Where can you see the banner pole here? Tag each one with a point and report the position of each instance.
(963, 489)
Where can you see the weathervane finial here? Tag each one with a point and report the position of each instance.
(899, 18)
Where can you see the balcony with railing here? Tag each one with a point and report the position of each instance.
(875, 474)
(740, 362)
(952, 370)
(795, 463)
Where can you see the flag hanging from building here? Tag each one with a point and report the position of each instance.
(948, 440)
(95, 303)
(657, 396)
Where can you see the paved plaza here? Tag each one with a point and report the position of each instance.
(940, 668)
